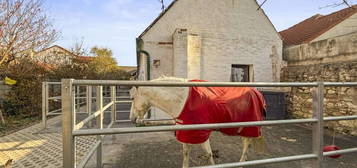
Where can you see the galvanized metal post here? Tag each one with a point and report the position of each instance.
(68, 122)
(44, 100)
(78, 99)
(318, 132)
(113, 98)
(47, 100)
(99, 101)
(89, 102)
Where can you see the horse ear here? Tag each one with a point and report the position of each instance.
(133, 92)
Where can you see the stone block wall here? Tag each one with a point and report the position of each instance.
(339, 101)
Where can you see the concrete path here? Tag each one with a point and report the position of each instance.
(33, 147)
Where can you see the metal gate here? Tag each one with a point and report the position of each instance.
(71, 129)
(85, 96)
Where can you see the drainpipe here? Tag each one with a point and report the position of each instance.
(139, 50)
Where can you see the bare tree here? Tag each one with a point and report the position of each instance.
(79, 49)
(24, 27)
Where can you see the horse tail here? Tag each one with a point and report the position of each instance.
(258, 143)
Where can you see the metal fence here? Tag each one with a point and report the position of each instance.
(72, 130)
(51, 94)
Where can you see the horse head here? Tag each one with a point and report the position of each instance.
(140, 105)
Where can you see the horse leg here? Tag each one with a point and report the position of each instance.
(186, 155)
(246, 143)
(207, 148)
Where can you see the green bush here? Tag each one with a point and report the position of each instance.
(24, 97)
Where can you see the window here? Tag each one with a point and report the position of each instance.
(240, 73)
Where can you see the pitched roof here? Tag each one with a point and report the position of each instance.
(315, 26)
(46, 66)
(173, 3)
(79, 57)
(59, 47)
(85, 58)
(158, 18)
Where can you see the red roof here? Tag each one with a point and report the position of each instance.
(85, 58)
(46, 65)
(315, 26)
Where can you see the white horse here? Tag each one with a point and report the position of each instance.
(172, 100)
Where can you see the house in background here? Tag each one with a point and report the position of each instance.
(323, 48)
(322, 39)
(214, 40)
(57, 55)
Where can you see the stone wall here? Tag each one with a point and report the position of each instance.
(339, 101)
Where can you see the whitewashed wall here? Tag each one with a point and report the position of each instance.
(230, 32)
(203, 38)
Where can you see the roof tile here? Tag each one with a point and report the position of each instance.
(314, 26)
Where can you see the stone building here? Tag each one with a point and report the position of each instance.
(215, 40)
(323, 48)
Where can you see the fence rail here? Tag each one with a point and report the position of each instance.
(201, 126)
(82, 98)
(46, 99)
(71, 130)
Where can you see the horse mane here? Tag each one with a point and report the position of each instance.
(169, 79)
(168, 99)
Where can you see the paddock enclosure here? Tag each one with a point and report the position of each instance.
(73, 127)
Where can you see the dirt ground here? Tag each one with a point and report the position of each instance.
(161, 150)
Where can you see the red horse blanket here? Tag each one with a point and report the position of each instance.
(220, 105)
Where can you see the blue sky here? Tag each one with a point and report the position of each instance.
(116, 23)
